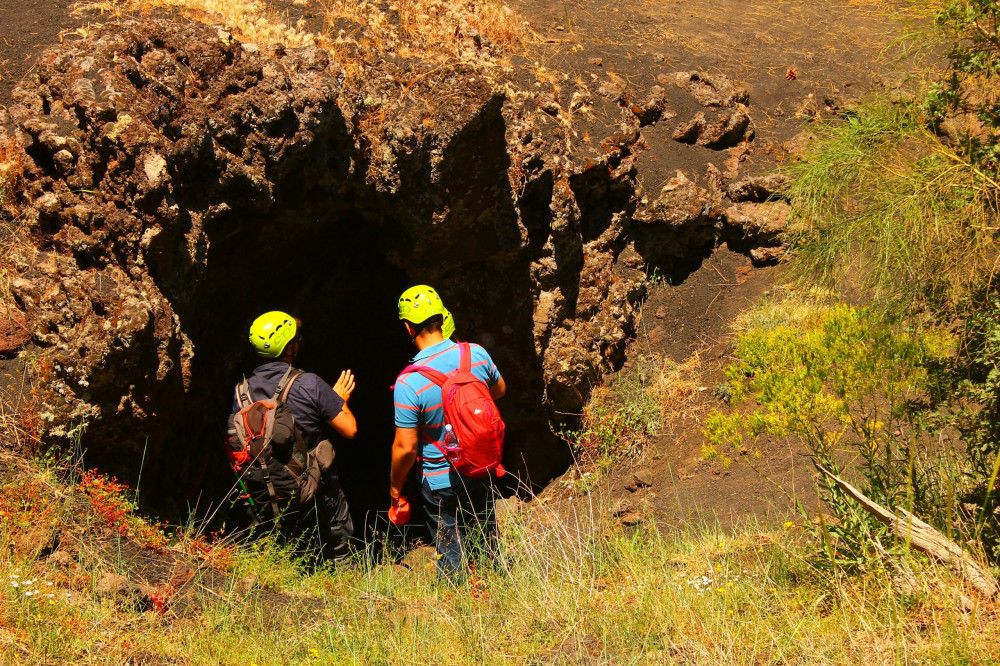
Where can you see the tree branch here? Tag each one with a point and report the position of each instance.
(924, 538)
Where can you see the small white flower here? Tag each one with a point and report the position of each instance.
(13, 584)
(14, 576)
(49, 584)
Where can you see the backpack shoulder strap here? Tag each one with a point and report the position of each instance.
(283, 394)
(435, 376)
(465, 357)
(282, 384)
(243, 394)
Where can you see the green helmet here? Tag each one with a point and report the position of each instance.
(448, 327)
(270, 332)
(420, 303)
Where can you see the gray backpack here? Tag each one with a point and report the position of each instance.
(268, 452)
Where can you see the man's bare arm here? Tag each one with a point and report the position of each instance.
(344, 423)
(498, 390)
(404, 454)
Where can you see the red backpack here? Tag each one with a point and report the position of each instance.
(477, 446)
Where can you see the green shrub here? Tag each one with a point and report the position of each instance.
(890, 214)
(972, 30)
(854, 388)
(621, 417)
(975, 414)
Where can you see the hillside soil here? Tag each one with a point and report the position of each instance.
(24, 32)
(799, 61)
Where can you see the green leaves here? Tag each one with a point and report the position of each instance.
(852, 386)
(973, 29)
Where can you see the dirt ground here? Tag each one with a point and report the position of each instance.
(796, 59)
(689, 324)
(23, 35)
(791, 56)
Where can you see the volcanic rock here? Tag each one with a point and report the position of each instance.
(757, 189)
(768, 220)
(724, 129)
(651, 109)
(715, 90)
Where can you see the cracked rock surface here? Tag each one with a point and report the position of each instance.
(179, 183)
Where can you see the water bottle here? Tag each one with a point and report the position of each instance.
(451, 444)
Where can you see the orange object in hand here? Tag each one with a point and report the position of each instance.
(399, 512)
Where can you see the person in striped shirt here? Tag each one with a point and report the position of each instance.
(458, 509)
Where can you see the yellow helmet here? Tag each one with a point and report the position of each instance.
(271, 332)
(420, 303)
(448, 327)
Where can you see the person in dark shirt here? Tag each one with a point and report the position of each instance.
(317, 408)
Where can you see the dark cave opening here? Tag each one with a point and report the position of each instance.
(345, 292)
(337, 255)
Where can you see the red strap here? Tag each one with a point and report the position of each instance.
(435, 376)
(465, 353)
(464, 365)
(407, 370)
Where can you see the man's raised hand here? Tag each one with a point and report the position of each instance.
(345, 385)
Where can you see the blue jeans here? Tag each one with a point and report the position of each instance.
(462, 521)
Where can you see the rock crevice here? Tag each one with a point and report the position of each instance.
(180, 184)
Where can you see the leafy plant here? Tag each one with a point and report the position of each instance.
(620, 418)
(972, 27)
(852, 386)
(976, 415)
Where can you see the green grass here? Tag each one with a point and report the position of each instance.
(569, 588)
(891, 213)
(622, 416)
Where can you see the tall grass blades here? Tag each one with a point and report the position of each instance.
(892, 213)
(565, 586)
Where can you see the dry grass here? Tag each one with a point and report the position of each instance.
(567, 587)
(621, 417)
(11, 174)
(477, 31)
(251, 20)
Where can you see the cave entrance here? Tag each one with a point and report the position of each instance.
(339, 263)
(313, 235)
(345, 293)
(335, 277)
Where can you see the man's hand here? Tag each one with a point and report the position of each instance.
(399, 512)
(345, 385)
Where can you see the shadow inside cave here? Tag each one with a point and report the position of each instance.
(337, 255)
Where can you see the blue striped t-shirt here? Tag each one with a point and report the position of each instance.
(418, 403)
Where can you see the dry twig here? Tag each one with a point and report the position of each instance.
(924, 538)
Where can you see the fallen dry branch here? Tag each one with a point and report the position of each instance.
(924, 538)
